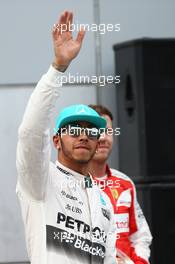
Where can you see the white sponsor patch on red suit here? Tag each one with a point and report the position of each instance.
(124, 199)
(122, 221)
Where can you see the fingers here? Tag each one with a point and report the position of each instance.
(69, 20)
(63, 18)
(63, 24)
(80, 35)
(57, 28)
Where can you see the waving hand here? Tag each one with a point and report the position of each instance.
(65, 47)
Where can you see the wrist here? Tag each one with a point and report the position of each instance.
(59, 67)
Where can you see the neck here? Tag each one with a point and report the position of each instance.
(81, 168)
(97, 169)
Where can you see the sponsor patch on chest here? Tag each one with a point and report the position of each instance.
(122, 222)
(124, 199)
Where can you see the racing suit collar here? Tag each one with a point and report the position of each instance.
(69, 172)
(108, 171)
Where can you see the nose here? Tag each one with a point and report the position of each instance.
(102, 137)
(83, 136)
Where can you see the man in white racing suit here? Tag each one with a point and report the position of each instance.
(133, 234)
(67, 219)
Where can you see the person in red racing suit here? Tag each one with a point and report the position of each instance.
(133, 234)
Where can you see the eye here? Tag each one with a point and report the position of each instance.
(92, 133)
(75, 131)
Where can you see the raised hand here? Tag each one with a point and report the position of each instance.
(65, 47)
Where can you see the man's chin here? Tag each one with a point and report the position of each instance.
(83, 159)
(101, 156)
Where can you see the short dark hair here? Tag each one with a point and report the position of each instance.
(101, 110)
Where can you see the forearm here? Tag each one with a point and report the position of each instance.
(38, 112)
(33, 150)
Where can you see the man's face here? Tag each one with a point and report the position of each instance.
(105, 143)
(76, 148)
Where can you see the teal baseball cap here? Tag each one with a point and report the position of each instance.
(79, 112)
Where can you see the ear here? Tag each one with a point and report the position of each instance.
(56, 141)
